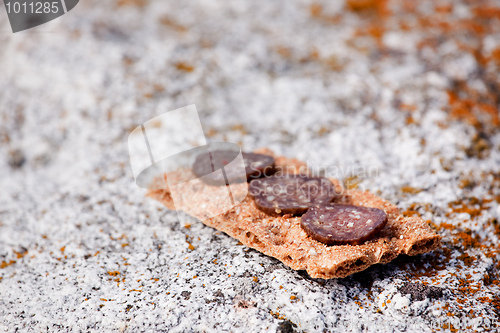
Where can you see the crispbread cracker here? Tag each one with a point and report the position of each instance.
(283, 238)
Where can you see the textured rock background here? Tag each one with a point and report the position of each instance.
(397, 97)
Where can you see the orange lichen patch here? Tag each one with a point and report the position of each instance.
(466, 239)
(468, 260)
(334, 63)
(4, 264)
(487, 12)
(468, 291)
(413, 209)
(465, 293)
(128, 61)
(283, 51)
(114, 273)
(323, 131)
(444, 9)
(495, 56)
(410, 190)
(467, 182)
(316, 11)
(123, 236)
(135, 3)
(378, 6)
(434, 23)
(408, 107)
(211, 132)
(375, 12)
(410, 120)
(491, 112)
(155, 90)
(277, 315)
(472, 206)
(183, 66)
(495, 302)
(428, 265)
(331, 62)
(19, 255)
(468, 288)
(479, 115)
(463, 237)
(171, 23)
(118, 280)
(375, 30)
(477, 107)
(191, 247)
(240, 128)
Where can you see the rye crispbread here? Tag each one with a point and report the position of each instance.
(283, 238)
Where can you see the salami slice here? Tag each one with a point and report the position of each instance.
(290, 194)
(342, 224)
(256, 165)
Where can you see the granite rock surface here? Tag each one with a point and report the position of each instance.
(397, 97)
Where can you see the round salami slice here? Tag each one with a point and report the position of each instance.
(290, 194)
(342, 224)
(256, 165)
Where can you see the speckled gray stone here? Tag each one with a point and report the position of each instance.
(83, 249)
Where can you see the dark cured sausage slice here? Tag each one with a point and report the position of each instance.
(342, 224)
(290, 194)
(256, 165)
